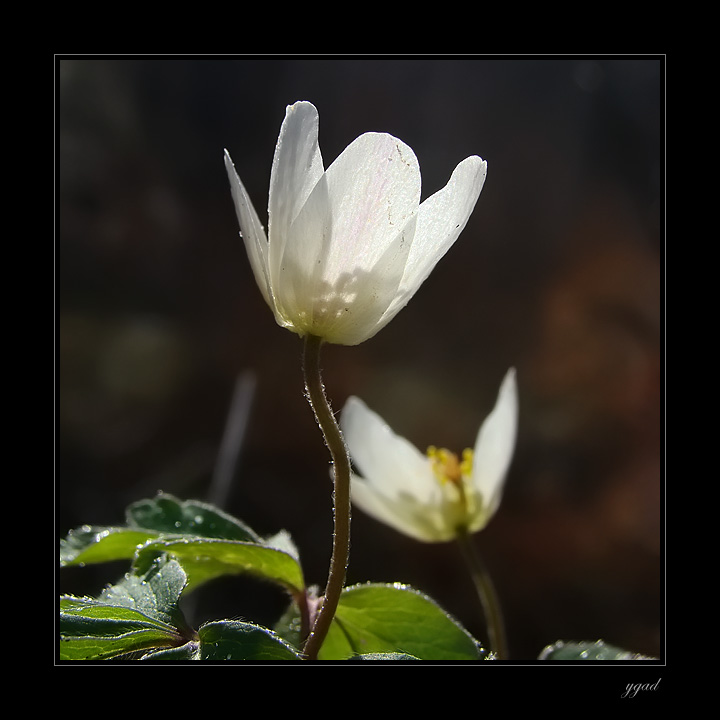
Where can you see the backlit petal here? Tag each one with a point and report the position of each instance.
(441, 219)
(495, 445)
(297, 167)
(401, 512)
(374, 188)
(360, 299)
(252, 232)
(387, 461)
(298, 282)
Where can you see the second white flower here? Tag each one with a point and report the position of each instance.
(431, 497)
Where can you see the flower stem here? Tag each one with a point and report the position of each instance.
(486, 592)
(341, 467)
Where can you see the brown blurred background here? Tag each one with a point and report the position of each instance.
(558, 273)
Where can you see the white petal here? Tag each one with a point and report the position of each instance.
(387, 461)
(402, 513)
(360, 299)
(345, 253)
(398, 487)
(441, 219)
(297, 167)
(374, 188)
(299, 285)
(495, 445)
(252, 231)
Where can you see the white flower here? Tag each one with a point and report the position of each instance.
(348, 247)
(430, 497)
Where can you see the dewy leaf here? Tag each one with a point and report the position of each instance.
(93, 630)
(587, 650)
(189, 651)
(385, 656)
(155, 593)
(89, 544)
(139, 613)
(204, 559)
(376, 618)
(167, 514)
(234, 640)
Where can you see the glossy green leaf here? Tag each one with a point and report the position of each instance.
(376, 618)
(205, 559)
(156, 592)
(136, 614)
(235, 640)
(90, 544)
(189, 651)
(385, 656)
(146, 520)
(211, 542)
(92, 630)
(166, 514)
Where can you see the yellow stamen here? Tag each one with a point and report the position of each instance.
(454, 476)
(447, 467)
(467, 462)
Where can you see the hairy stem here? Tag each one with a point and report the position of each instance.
(486, 593)
(341, 478)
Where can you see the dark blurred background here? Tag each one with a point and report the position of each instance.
(558, 273)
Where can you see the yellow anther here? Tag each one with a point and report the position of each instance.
(467, 462)
(447, 467)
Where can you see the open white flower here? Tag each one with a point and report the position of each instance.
(430, 497)
(348, 247)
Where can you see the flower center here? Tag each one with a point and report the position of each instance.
(448, 468)
(454, 476)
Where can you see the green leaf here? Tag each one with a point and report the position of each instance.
(204, 559)
(289, 625)
(146, 520)
(90, 630)
(156, 592)
(90, 544)
(171, 523)
(376, 618)
(235, 640)
(385, 656)
(167, 514)
(138, 613)
(189, 651)
(587, 650)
